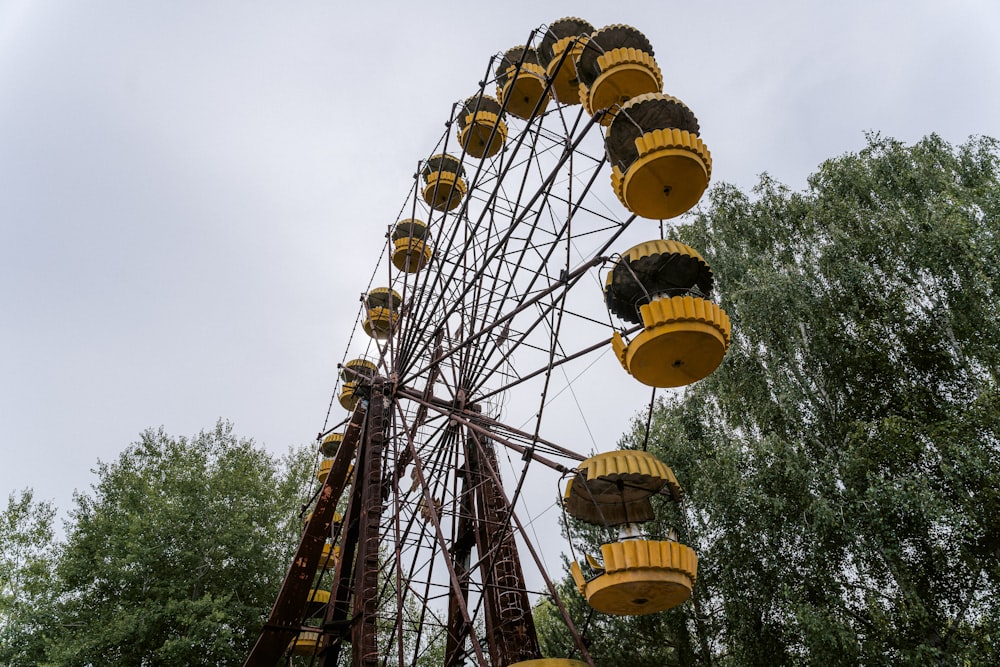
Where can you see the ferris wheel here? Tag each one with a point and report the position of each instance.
(507, 274)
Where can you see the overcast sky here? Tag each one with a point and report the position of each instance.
(193, 194)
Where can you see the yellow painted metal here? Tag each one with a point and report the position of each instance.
(380, 322)
(640, 577)
(620, 347)
(549, 662)
(425, 511)
(483, 135)
(615, 487)
(578, 578)
(524, 90)
(411, 249)
(331, 444)
(670, 176)
(308, 642)
(328, 558)
(625, 73)
(594, 564)
(384, 296)
(609, 114)
(443, 190)
(324, 469)
(319, 596)
(359, 371)
(315, 603)
(655, 268)
(685, 338)
(661, 247)
(410, 255)
(349, 395)
(409, 228)
(565, 83)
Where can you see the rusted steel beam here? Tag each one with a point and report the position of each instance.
(465, 539)
(364, 646)
(453, 413)
(336, 622)
(553, 592)
(509, 624)
(285, 618)
(456, 584)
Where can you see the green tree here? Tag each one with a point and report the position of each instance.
(177, 555)
(843, 464)
(26, 561)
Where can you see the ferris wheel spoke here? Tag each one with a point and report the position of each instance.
(501, 321)
(566, 284)
(553, 245)
(442, 543)
(527, 541)
(471, 281)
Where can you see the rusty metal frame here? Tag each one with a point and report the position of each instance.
(285, 619)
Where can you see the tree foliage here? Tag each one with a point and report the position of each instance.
(843, 464)
(176, 556)
(26, 562)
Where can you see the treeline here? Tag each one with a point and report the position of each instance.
(842, 466)
(174, 557)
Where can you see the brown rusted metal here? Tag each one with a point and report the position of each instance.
(454, 414)
(364, 646)
(577, 638)
(465, 539)
(455, 582)
(336, 620)
(510, 628)
(285, 618)
(405, 458)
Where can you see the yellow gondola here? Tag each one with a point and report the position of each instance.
(660, 167)
(639, 577)
(521, 83)
(567, 34)
(382, 307)
(308, 642)
(357, 375)
(331, 444)
(481, 131)
(616, 64)
(444, 185)
(614, 488)
(664, 285)
(411, 248)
